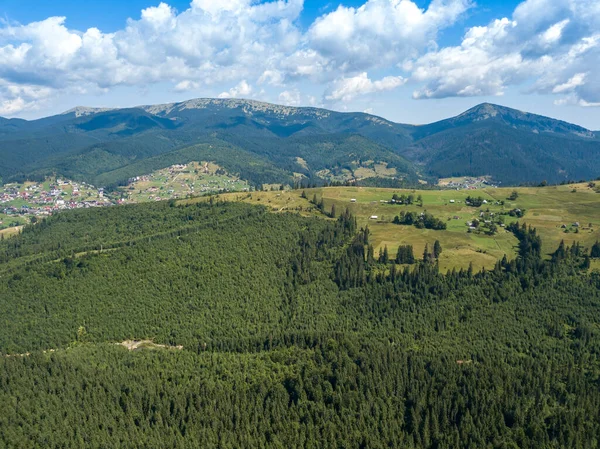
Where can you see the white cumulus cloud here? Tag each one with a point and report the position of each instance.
(552, 43)
(346, 89)
(242, 90)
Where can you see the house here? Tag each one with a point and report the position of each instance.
(485, 202)
(452, 201)
(564, 226)
(576, 224)
(353, 200)
(373, 217)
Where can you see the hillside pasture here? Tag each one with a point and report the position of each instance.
(546, 209)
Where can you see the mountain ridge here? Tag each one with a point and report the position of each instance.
(510, 145)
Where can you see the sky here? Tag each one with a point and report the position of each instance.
(411, 61)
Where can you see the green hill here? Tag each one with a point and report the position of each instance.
(276, 330)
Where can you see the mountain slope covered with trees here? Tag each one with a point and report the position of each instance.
(292, 335)
(87, 144)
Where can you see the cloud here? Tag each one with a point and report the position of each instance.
(553, 44)
(577, 80)
(209, 43)
(242, 90)
(381, 32)
(547, 46)
(185, 85)
(15, 98)
(346, 89)
(290, 98)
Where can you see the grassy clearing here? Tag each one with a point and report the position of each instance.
(11, 221)
(546, 208)
(277, 201)
(4, 233)
(179, 181)
(459, 247)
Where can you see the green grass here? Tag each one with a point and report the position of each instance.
(459, 247)
(546, 208)
(194, 179)
(10, 221)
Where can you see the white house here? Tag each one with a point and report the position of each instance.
(353, 200)
(373, 217)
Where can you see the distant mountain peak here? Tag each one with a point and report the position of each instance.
(486, 111)
(82, 111)
(519, 120)
(247, 106)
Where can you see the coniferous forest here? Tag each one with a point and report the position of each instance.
(282, 331)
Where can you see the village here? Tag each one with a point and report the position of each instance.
(181, 181)
(467, 183)
(21, 201)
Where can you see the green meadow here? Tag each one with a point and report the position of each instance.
(545, 208)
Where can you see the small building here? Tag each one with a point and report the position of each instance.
(564, 226)
(373, 217)
(353, 200)
(576, 224)
(452, 201)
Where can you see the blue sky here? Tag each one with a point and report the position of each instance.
(410, 61)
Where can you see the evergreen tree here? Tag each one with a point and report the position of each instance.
(370, 255)
(437, 249)
(595, 252)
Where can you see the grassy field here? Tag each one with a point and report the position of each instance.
(179, 181)
(10, 221)
(546, 208)
(7, 232)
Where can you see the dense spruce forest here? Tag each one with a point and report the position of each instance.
(293, 335)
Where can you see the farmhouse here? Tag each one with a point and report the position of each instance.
(373, 217)
(452, 201)
(353, 200)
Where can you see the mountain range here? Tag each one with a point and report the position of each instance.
(268, 143)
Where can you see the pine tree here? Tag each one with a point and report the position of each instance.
(595, 253)
(437, 249)
(370, 254)
(427, 256)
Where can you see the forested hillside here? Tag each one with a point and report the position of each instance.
(268, 143)
(293, 335)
